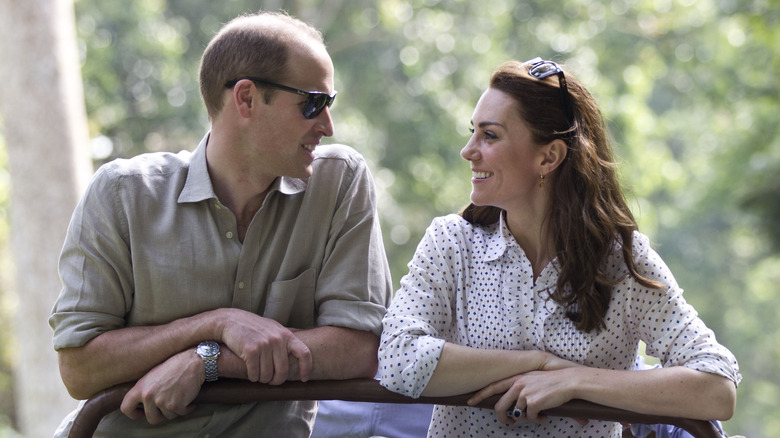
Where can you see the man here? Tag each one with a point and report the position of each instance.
(255, 241)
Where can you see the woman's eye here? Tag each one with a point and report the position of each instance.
(489, 135)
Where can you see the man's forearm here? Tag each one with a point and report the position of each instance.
(127, 354)
(339, 353)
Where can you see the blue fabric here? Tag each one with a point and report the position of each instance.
(342, 419)
(664, 430)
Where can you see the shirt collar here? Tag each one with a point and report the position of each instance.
(198, 186)
(498, 240)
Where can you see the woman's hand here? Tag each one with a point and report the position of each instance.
(551, 362)
(531, 392)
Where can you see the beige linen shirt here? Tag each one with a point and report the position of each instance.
(150, 243)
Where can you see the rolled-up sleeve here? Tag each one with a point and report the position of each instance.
(671, 327)
(95, 257)
(419, 318)
(354, 286)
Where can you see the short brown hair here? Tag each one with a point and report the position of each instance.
(249, 45)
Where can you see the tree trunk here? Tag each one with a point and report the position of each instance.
(42, 104)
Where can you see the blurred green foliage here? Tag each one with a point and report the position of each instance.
(689, 88)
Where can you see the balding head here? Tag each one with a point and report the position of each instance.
(251, 45)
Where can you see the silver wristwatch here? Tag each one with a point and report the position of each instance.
(209, 351)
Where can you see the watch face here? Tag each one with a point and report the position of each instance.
(208, 348)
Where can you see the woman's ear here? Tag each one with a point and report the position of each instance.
(554, 154)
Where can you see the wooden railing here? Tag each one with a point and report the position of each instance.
(362, 390)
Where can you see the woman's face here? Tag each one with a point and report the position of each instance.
(505, 163)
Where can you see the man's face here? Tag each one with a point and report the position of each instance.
(284, 138)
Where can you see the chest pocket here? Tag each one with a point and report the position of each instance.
(291, 302)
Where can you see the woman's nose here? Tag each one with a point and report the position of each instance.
(469, 151)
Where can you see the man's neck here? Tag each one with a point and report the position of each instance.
(237, 187)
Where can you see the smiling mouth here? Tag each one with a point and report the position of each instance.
(480, 175)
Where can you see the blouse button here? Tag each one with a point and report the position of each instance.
(229, 234)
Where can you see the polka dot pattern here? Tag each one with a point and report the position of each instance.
(474, 286)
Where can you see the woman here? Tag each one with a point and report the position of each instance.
(542, 287)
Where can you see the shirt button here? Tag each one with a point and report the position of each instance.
(229, 234)
(240, 284)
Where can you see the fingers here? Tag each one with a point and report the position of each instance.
(278, 362)
(519, 411)
(301, 352)
(265, 345)
(157, 414)
(134, 409)
(514, 404)
(273, 359)
(515, 413)
(510, 408)
(267, 365)
(253, 366)
(494, 388)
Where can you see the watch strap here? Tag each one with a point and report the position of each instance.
(211, 368)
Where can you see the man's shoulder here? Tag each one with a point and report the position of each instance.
(157, 171)
(338, 152)
(148, 164)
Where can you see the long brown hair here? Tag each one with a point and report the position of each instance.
(588, 216)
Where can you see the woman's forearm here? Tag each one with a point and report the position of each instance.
(465, 369)
(674, 391)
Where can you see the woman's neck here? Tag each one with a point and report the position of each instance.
(532, 233)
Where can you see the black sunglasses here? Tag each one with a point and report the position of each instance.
(316, 101)
(540, 69)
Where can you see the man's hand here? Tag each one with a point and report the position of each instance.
(167, 391)
(264, 345)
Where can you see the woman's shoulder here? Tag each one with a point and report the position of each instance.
(454, 231)
(456, 225)
(640, 246)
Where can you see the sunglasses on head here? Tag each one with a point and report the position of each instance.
(540, 69)
(316, 101)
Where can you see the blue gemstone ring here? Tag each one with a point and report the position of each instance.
(516, 413)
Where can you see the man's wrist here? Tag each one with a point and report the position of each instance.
(209, 352)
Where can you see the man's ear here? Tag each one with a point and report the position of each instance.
(554, 154)
(243, 97)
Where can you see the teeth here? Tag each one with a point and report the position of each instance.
(480, 175)
(309, 147)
